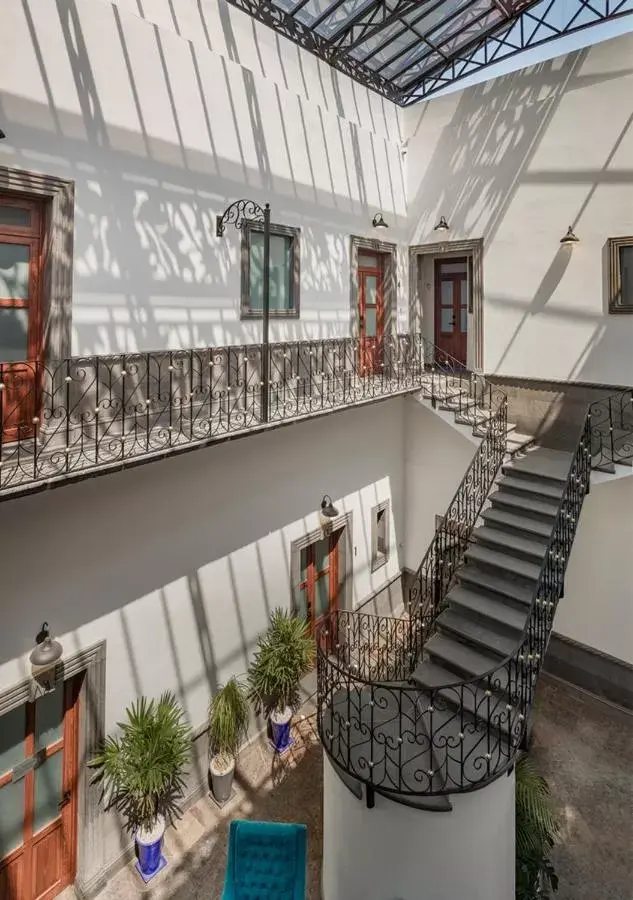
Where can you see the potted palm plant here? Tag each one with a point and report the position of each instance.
(141, 771)
(285, 653)
(537, 828)
(228, 725)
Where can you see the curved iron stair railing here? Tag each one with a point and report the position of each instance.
(404, 741)
(612, 431)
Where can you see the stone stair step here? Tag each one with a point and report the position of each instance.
(465, 662)
(499, 518)
(606, 467)
(475, 417)
(459, 401)
(533, 485)
(432, 677)
(477, 633)
(431, 803)
(525, 505)
(519, 592)
(499, 539)
(513, 565)
(521, 439)
(542, 462)
(488, 608)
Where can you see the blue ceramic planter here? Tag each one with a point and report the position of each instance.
(280, 735)
(150, 858)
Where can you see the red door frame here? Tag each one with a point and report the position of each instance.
(19, 870)
(370, 349)
(454, 343)
(19, 400)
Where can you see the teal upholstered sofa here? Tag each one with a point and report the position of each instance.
(266, 861)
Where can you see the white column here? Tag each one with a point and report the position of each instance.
(393, 852)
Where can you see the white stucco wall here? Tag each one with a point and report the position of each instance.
(177, 564)
(393, 852)
(515, 161)
(597, 609)
(162, 122)
(436, 457)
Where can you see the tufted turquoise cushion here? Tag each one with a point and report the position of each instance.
(267, 861)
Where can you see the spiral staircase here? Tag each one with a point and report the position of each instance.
(438, 702)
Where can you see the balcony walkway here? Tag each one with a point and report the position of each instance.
(89, 415)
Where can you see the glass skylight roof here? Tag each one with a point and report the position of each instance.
(409, 49)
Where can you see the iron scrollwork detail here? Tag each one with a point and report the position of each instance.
(401, 739)
(237, 214)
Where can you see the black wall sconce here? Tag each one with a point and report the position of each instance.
(378, 221)
(569, 239)
(442, 225)
(43, 658)
(327, 514)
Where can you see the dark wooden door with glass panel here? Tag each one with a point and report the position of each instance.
(38, 795)
(318, 588)
(20, 318)
(451, 309)
(371, 313)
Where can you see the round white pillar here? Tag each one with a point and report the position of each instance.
(394, 852)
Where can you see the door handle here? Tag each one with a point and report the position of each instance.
(65, 800)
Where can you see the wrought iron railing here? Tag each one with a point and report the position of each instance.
(436, 572)
(400, 739)
(61, 420)
(612, 429)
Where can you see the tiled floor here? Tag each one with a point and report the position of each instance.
(285, 789)
(582, 746)
(585, 750)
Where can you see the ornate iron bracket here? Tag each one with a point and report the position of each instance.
(238, 213)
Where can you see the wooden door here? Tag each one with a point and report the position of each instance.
(20, 315)
(371, 313)
(38, 795)
(451, 309)
(318, 589)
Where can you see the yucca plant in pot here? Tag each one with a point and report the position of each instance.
(285, 653)
(228, 725)
(141, 771)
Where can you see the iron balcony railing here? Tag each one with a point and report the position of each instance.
(64, 420)
(612, 430)
(400, 739)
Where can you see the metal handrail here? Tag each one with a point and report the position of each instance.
(609, 416)
(513, 676)
(61, 419)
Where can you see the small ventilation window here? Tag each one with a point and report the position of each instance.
(379, 535)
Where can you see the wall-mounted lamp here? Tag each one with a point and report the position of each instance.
(442, 225)
(2, 135)
(46, 653)
(327, 514)
(378, 221)
(569, 238)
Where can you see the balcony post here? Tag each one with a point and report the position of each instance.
(265, 375)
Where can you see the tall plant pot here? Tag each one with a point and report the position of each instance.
(280, 722)
(149, 850)
(221, 771)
